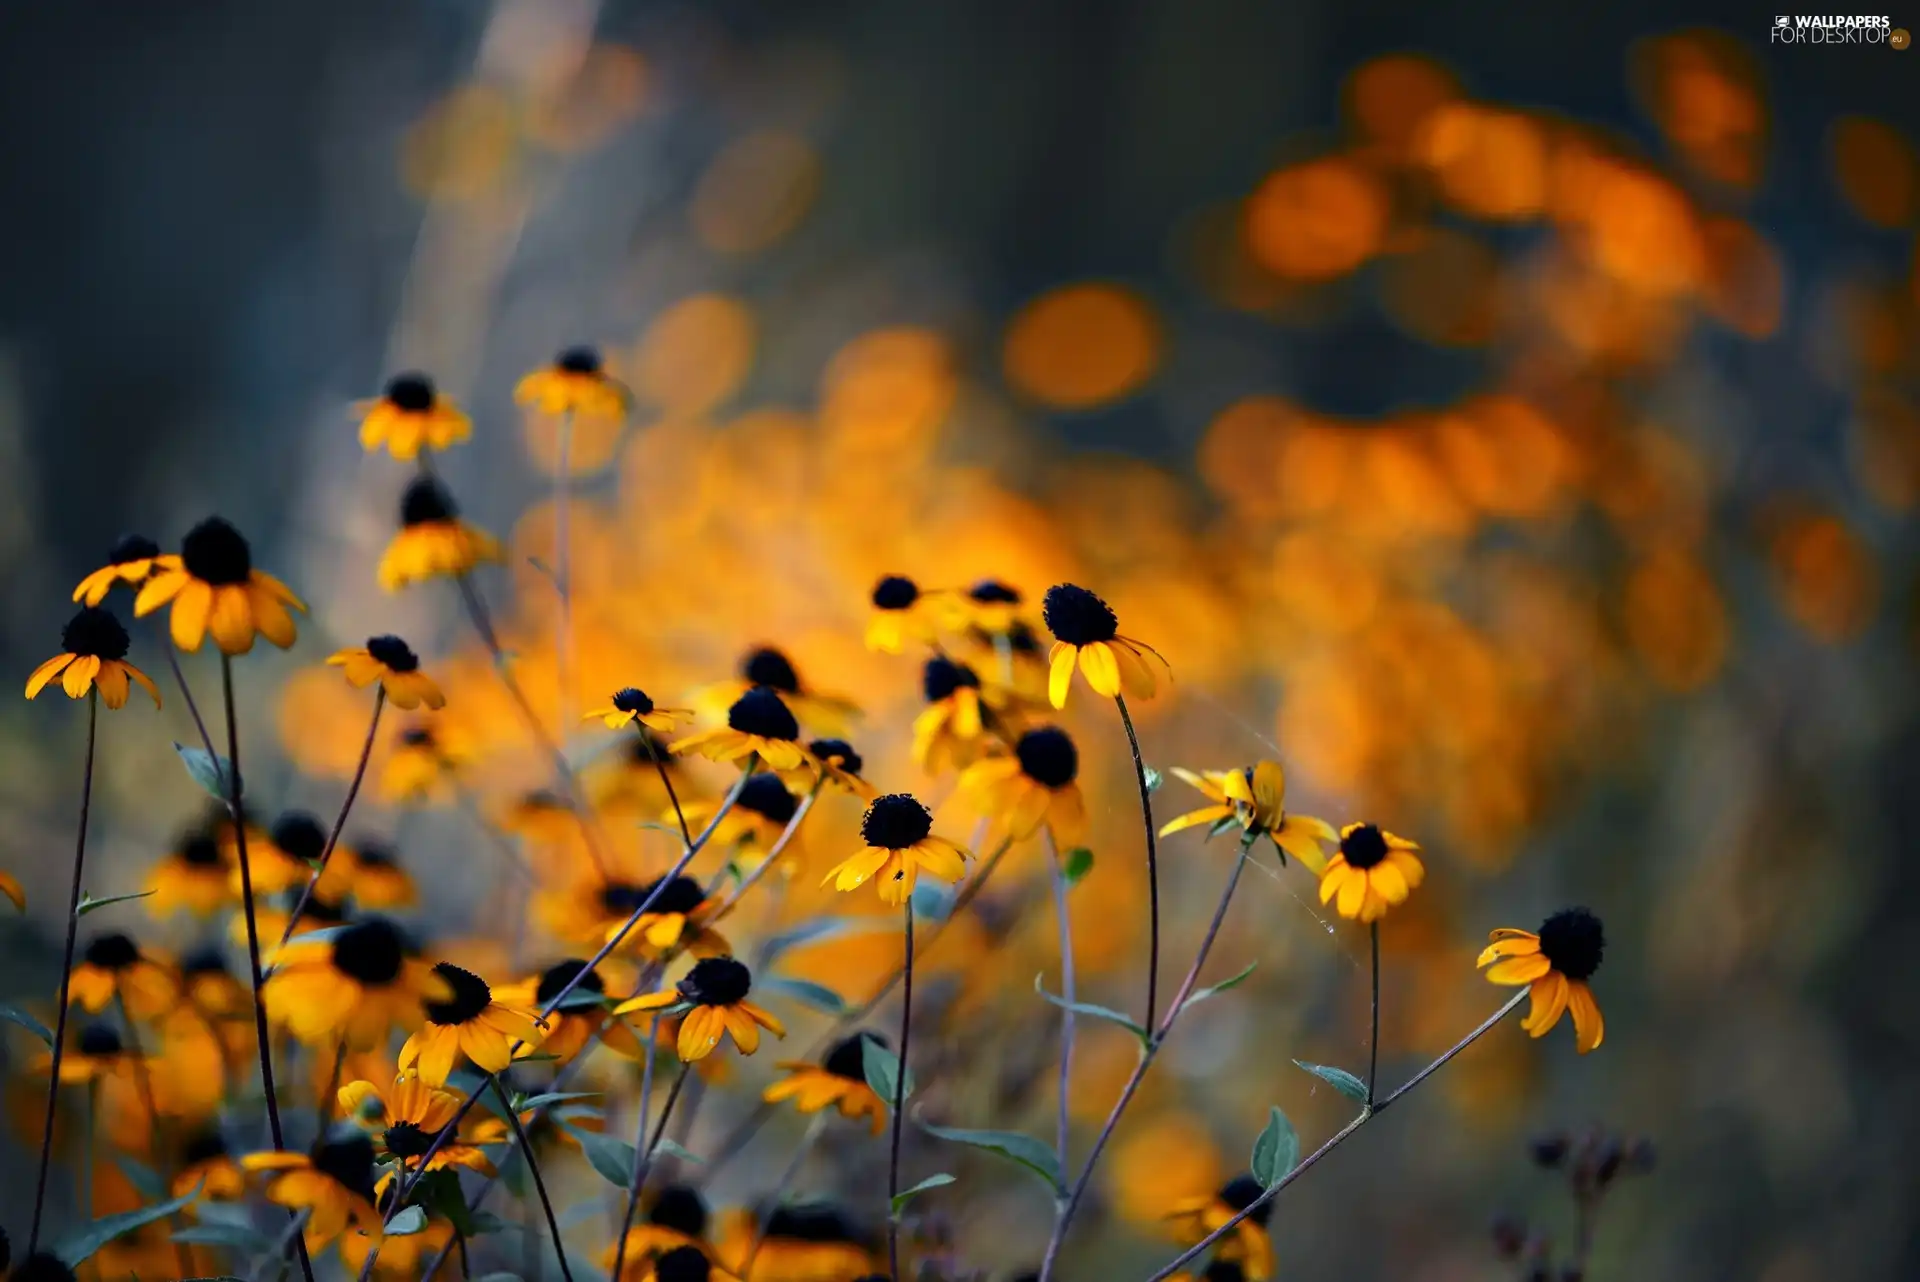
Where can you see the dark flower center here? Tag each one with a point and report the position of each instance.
(112, 952)
(622, 898)
(133, 547)
(717, 981)
(201, 852)
(838, 752)
(680, 1208)
(895, 593)
(769, 667)
(425, 502)
(993, 592)
(204, 1147)
(1364, 847)
(348, 1162)
(761, 712)
(204, 961)
(393, 653)
(99, 1040)
(1048, 757)
(634, 700)
(1225, 1271)
(942, 676)
(1077, 616)
(1241, 1192)
(682, 1264)
(1020, 636)
(320, 910)
(681, 895)
(896, 821)
(848, 1058)
(810, 1224)
(370, 953)
(1573, 941)
(470, 996)
(42, 1267)
(94, 631)
(299, 834)
(214, 552)
(405, 1139)
(767, 797)
(376, 854)
(579, 360)
(417, 737)
(411, 391)
(560, 974)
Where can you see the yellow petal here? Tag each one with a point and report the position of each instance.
(1060, 672)
(1101, 671)
(1588, 1027)
(1519, 970)
(47, 672)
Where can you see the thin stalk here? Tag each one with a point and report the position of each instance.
(565, 696)
(339, 822)
(1069, 994)
(899, 1100)
(186, 693)
(143, 1080)
(638, 1175)
(66, 972)
(332, 1096)
(533, 1168)
(815, 1129)
(1153, 868)
(772, 856)
(666, 781)
(1373, 1040)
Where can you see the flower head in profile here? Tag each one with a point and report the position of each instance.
(333, 1182)
(992, 606)
(195, 876)
(714, 1005)
(465, 1020)
(838, 766)
(948, 731)
(404, 1118)
(679, 915)
(93, 655)
(677, 1220)
(577, 383)
(207, 1164)
(581, 1013)
(114, 966)
(213, 587)
(684, 1264)
(370, 872)
(433, 541)
(901, 613)
(1253, 799)
(811, 1240)
(837, 1081)
(1248, 1246)
(1372, 871)
(1037, 783)
(409, 416)
(632, 706)
(1087, 631)
(898, 832)
(1557, 961)
(281, 858)
(94, 1052)
(759, 725)
(823, 714)
(421, 764)
(129, 561)
(391, 662)
(359, 984)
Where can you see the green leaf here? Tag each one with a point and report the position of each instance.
(818, 996)
(209, 771)
(88, 903)
(1107, 1013)
(1154, 778)
(673, 1149)
(145, 1180)
(1231, 981)
(14, 1015)
(882, 1067)
(1339, 1078)
(612, 1158)
(1277, 1150)
(1077, 864)
(407, 1223)
(235, 1237)
(1015, 1147)
(904, 1196)
(81, 1244)
(555, 1097)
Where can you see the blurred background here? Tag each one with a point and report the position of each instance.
(1509, 418)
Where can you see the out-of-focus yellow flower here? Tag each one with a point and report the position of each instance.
(901, 613)
(130, 561)
(391, 662)
(358, 985)
(433, 540)
(93, 654)
(1556, 963)
(196, 877)
(411, 415)
(114, 966)
(1372, 871)
(949, 731)
(576, 383)
(213, 587)
(898, 832)
(465, 1021)
(837, 1081)
(334, 1182)
(1248, 1245)
(716, 990)
(206, 1163)
(1086, 629)
(677, 1219)
(1036, 784)
(813, 1241)
(759, 725)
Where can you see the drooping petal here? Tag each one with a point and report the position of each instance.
(78, 677)
(47, 672)
(1060, 662)
(146, 682)
(1588, 1027)
(1519, 970)
(1518, 946)
(112, 683)
(1101, 671)
(1548, 1002)
(1194, 818)
(231, 620)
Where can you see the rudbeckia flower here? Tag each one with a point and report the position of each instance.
(195, 877)
(1086, 630)
(211, 988)
(113, 966)
(632, 706)
(1372, 871)
(682, 1264)
(676, 1220)
(1035, 785)
(321, 913)
(371, 873)
(433, 540)
(900, 614)
(626, 780)
(130, 562)
(947, 732)
(716, 991)
(759, 725)
(406, 1116)
(762, 811)
(573, 1024)
(838, 1081)
(206, 1162)
(334, 1181)
(468, 1021)
(95, 1052)
(576, 383)
(1248, 1245)
(1556, 962)
(681, 915)
(391, 662)
(824, 714)
(1254, 798)
(418, 765)
(898, 832)
(410, 414)
(815, 1241)
(282, 858)
(93, 653)
(359, 985)
(992, 607)
(213, 586)
(839, 766)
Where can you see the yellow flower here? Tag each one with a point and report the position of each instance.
(467, 1021)
(1557, 962)
(900, 614)
(1372, 871)
(838, 1081)
(677, 1219)
(898, 832)
(93, 653)
(825, 714)
(992, 607)
(334, 1182)
(391, 662)
(130, 561)
(407, 1115)
(1036, 785)
(1086, 630)
(409, 415)
(402, 1258)
(359, 985)
(838, 765)
(633, 706)
(758, 725)
(418, 766)
(679, 1264)
(1254, 798)
(816, 1242)
(577, 1019)
(113, 966)
(576, 383)
(96, 1052)
(716, 991)
(949, 730)
(195, 877)
(282, 858)
(206, 1163)
(1248, 1245)
(433, 540)
(213, 587)
(371, 874)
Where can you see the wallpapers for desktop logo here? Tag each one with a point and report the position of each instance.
(1838, 29)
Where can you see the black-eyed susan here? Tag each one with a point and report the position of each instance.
(418, 765)
(207, 1164)
(626, 781)
(1372, 871)
(542, 817)
(466, 1021)
(93, 654)
(676, 1220)
(823, 714)
(405, 1118)
(409, 416)
(992, 606)
(433, 541)
(93, 1053)
(577, 383)
(766, 804)
(839, 766)
(195, 877)
(1248, 1245)
(1037, 784)
(282, 858)
(1253, 799)
(333, 1182)
(713, 996)
(114, 966)
(633, 706)
(815, 1240)
(901, 613)
(898, 832)
(359, 985)
(837, 1081)
(759, 725)
(679, 914)
(1086, 630)
(580, 1015)
(683, 1264)
(130, 562)
(949, 732)
(391, 662)
(213, 587)
(1556, 963)
(272, 920)
(213, 990)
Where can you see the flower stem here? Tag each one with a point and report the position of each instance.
(666, 781)
(339, 822)
(1069, 994)
(639, 1140)
(533, 1168)
(1153, 868)
(899, 1099)
(565, 696)
(1373, 1039)
(66, 972)
(777, 1198)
